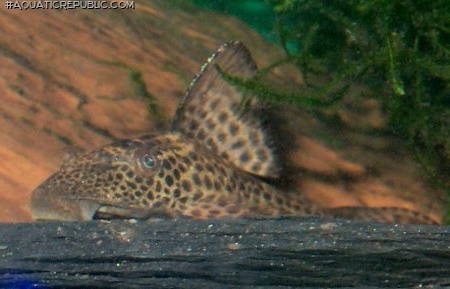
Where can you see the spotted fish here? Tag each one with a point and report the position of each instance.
(210, 164)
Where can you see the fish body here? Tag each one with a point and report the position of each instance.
(210, 164)
(162, 175)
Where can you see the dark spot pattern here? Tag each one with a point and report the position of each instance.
(244, 158)
(169, 180)
(221, 137)
(233, 129)
(213, 104)
(166, 165)
(186, 185)
(193, 125)
(211, 144)
(131, 185)
(172, 160)
(201, 135)
(197, 196)
(158, 186)
(237, 145)
(208, 183)
(223, 117)
(217, 185)
(176, 174)
(182, 168)
(193, 156)
(199, 167)
(186, 161)
(196, 179)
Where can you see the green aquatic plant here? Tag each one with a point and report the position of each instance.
(399, 49)
(140, 89)
(256, 87)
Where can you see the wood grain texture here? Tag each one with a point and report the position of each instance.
(275, 253)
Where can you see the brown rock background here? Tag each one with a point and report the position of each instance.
(70, 79)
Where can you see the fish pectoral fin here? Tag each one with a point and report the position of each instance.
(88, 208)
(116, 212)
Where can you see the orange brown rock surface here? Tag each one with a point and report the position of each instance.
(66, 83)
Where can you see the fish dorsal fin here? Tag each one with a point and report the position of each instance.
(223, 117)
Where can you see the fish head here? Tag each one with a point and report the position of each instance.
(152, 176)
(115, 176)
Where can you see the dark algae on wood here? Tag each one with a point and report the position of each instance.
(249, 253)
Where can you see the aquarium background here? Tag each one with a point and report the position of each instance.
(399, 49)
(346, 96)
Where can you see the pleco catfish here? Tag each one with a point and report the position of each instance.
(210, 164)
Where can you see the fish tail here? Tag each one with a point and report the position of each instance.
(392, 215)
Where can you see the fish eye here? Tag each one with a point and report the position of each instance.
(148, 161)
(145, 162)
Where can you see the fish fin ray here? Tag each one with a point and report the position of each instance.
(225, 119)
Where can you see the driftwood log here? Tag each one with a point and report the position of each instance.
(275, 253)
